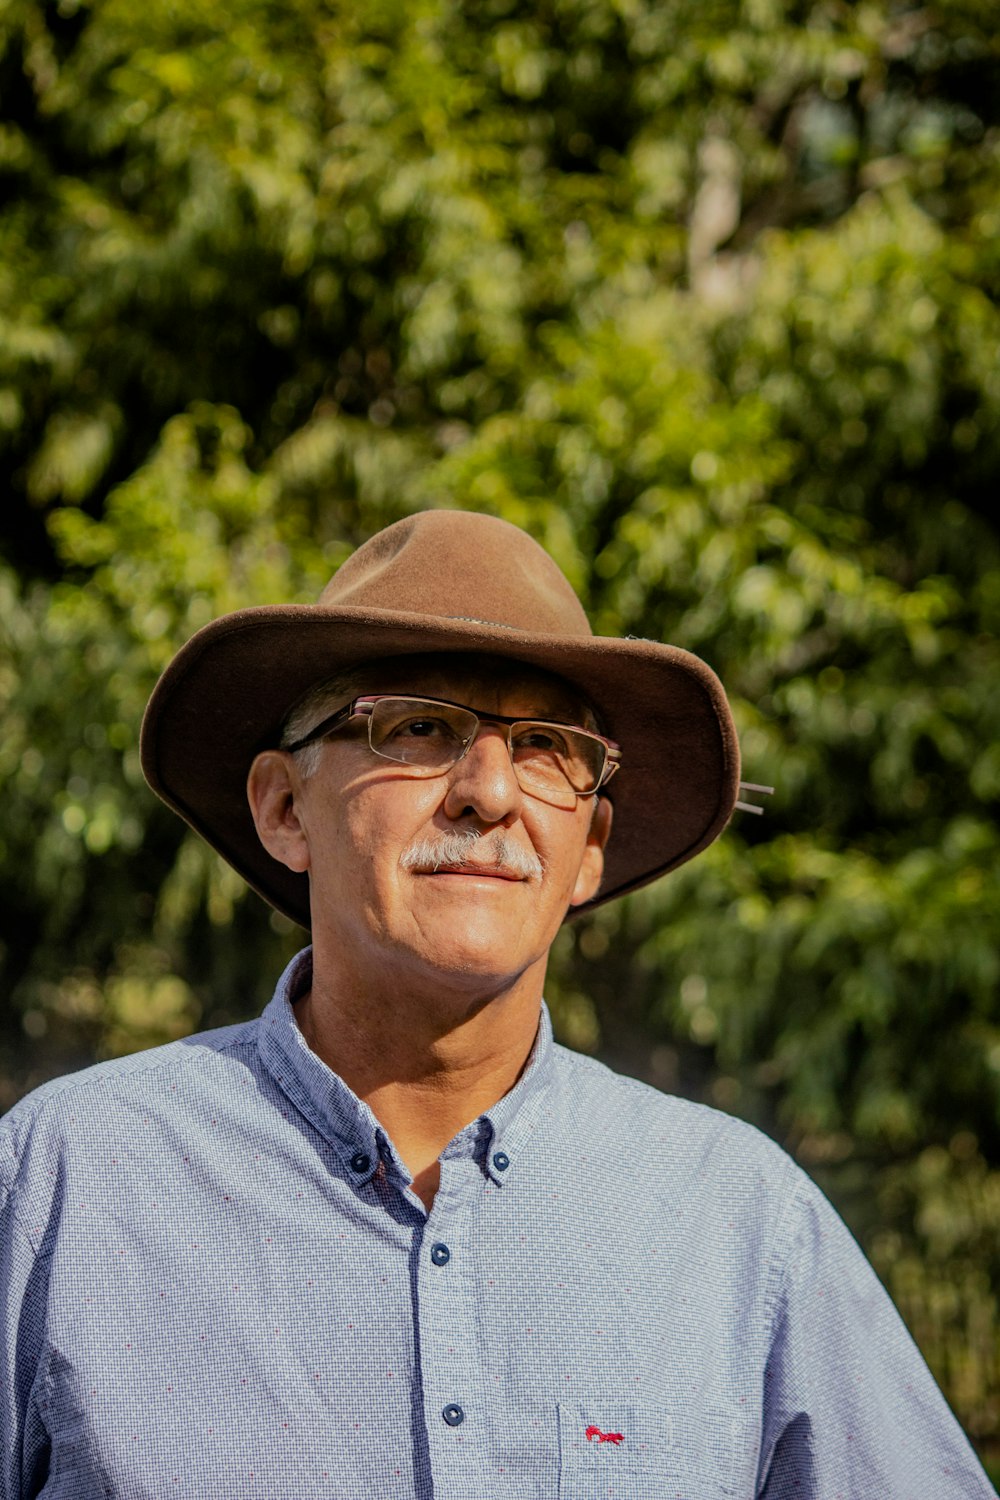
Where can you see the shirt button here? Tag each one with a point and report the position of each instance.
(440, 1254)
(360, 1162)
(453, 1415)
(501, 1161)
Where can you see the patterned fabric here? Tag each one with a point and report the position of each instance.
(218, 1283)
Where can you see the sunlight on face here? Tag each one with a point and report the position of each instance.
(459, 873)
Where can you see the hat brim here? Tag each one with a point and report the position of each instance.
(226, 694)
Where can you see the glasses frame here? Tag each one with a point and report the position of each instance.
(364, 704)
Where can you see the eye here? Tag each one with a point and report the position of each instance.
(423, 729)
(540, 739)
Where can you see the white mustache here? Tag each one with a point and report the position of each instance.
(465, 847)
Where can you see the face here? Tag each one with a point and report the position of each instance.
(364, 830)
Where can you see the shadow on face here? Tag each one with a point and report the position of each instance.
(478, 680)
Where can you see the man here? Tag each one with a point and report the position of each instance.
(388, 1240)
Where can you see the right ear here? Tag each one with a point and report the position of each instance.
(273, 788)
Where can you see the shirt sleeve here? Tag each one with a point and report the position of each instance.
(851, 1409)
(23, 1286)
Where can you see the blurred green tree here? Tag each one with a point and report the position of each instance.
(705, 296)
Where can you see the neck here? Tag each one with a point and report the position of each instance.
(426, 1064)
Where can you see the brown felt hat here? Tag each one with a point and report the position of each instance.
(454, 581)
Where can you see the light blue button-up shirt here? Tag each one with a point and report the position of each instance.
(217, 1282)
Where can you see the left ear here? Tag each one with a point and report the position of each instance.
(591, 871)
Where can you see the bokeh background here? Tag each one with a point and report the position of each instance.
(702, 293)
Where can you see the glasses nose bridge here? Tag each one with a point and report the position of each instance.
(500, 724)
(483, 779)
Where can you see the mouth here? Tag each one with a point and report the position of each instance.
(477, 872)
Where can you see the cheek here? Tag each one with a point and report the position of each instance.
(381, 819)
(562, 849)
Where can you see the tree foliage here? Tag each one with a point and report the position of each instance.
(703, 295)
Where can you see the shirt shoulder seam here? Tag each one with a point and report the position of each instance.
(10, 1168)
(93, 1077)
(786, 1235)
(11, 1195)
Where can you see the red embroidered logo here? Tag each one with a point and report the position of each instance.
(604, 1437)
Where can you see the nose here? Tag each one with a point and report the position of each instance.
(482, 784)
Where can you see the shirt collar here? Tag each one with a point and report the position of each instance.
(498, 1138)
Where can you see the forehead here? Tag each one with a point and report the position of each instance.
(483, 682)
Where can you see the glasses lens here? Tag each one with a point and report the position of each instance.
(551, 761)
(426, 736)
(555, 761)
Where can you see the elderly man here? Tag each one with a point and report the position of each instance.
(389, 1240)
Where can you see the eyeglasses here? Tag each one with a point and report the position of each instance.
(555, 762)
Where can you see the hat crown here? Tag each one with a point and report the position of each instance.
(459, 565)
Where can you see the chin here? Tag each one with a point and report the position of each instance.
(486, 956)
(485, 962)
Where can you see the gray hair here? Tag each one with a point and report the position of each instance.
(323, 699)
(461, 847)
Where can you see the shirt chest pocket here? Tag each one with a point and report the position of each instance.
(615, 1451)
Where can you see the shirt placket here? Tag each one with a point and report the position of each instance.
(447, 1295)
